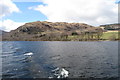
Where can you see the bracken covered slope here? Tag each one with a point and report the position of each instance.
(43, 31)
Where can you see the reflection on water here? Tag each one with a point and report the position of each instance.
(37, 59)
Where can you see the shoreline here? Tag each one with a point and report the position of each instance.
(63, 40)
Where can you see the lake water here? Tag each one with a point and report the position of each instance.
(97, 59)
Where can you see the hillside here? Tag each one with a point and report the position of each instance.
(2, 33)
(46, 31)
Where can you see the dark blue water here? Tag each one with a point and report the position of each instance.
(80, 59)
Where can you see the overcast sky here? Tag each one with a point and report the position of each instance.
(14, 13)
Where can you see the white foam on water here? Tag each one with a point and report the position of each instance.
(60, 73)
(64, 73)
(28, 54)
(17, 48)
(55, 69)
(50, 77)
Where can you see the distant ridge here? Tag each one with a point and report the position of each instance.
(111, 26)
(41, 31)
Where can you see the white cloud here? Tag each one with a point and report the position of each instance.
(7, 7)
(8, 25)
(93, 12)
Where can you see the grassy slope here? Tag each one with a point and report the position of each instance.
(108, 35)
(105, 36)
